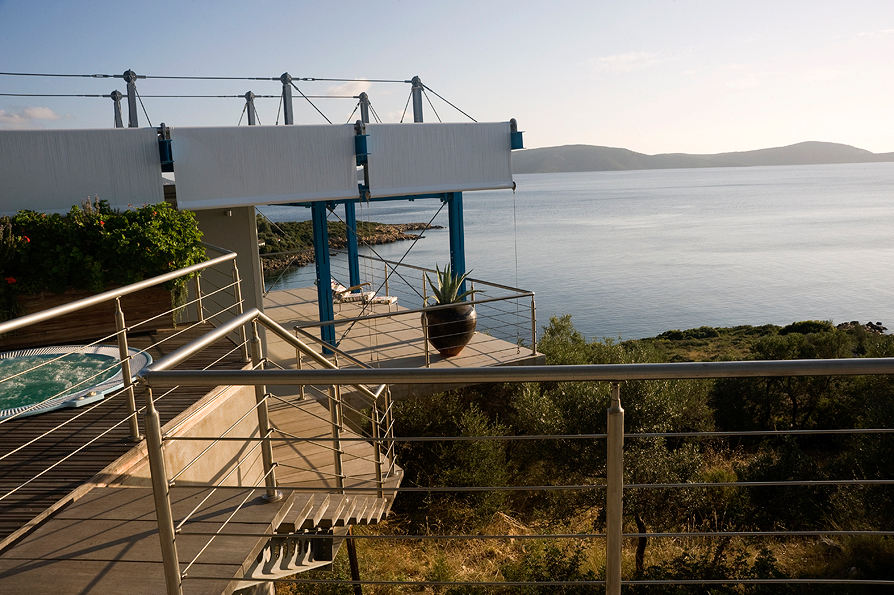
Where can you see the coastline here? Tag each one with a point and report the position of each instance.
(381, 233)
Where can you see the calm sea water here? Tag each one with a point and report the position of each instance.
(633, 254)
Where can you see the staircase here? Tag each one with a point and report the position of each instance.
(310, 534)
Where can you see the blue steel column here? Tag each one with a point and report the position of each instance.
(353, 255)
(324, 274)
(457, 235)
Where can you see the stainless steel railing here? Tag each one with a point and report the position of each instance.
(615, 435)
(504, 312)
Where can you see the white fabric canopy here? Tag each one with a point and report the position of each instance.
(423, 158)
(51, 170)
(251, 165)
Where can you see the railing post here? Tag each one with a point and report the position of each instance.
(162, 495)
(257, 362)
(376, 434)
(533, 328)
(298, 366)
(126, 377)
(237, 285)
(200, 311)
(425, 339)
(389, 430)
(335, 417)
(615, 493)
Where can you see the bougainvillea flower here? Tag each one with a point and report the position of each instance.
(10, 280)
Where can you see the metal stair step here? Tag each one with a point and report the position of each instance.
(302, 509)
(330, 514)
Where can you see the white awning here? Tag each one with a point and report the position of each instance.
(52, 170)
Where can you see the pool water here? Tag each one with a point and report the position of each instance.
(47, 376)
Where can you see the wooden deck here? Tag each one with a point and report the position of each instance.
(72, 534)
(395, 342)
(67, 533)
(95, 434)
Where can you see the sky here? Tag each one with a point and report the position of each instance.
(690, 76)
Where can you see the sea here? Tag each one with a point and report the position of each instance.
(631, 254)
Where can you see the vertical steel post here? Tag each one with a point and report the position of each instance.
(116, 98)
(200, 310)
(324, 272)
(417, 98)
(533, 327)
(389, 429)
(364, 107)
(376, 434)
(257, 363)
(353, 254)
(615, 493)
(130, 77)
(335, 418)
(425, 339)
(298, 366)
(287, 113)
(237, 295)
(126, 376)
(250, 107)
(161, 492)
(454, 202)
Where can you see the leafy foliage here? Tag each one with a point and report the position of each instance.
(94, 247)
(447, 291)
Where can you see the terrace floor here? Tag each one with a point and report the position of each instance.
(395, 342)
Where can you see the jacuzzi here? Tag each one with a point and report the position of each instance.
(28, 373)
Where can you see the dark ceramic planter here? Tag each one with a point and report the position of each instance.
(451, 329)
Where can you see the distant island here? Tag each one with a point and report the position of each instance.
(573, 158)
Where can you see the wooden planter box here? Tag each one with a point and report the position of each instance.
(91, 324)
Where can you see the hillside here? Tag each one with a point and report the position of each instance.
(570, 158)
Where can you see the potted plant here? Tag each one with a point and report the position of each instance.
(449, 329)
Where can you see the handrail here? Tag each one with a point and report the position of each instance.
(17, 323)
(419, 268)
(164, 365)
(413, 311)
(598, 372)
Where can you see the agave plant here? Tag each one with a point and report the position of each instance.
(447, 289)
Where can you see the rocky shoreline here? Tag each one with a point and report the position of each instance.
(383, 233)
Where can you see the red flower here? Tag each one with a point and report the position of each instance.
(10, 280)
(102, 222)
(27, 239)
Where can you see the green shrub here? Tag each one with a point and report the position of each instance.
(94, 247)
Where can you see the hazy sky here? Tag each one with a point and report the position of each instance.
(695, 76)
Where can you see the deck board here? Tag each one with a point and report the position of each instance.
(395, 342)
(83, 430)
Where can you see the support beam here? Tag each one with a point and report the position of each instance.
(324, 272)
(454, 202)
(353, 253)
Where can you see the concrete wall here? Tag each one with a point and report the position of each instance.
(235, 229)
(211, 417)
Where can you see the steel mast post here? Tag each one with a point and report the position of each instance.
(116, 98)
(364, 107)
(287, 113)
(250, 106)
(417, 98)
(130, 77)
